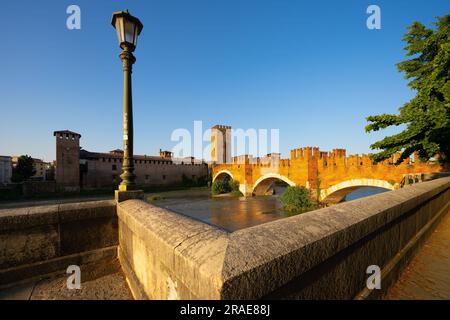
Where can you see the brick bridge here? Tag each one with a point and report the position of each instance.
(331, 174)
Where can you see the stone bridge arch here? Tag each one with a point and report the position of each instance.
(222, 175)
(337, 192)
(264, 183)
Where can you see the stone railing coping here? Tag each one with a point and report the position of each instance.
(275, 248)
(192, 249)
(21, 218)
(239, 263)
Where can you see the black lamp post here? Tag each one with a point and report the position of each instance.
(128, 29)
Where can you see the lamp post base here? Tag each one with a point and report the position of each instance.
(123, 195)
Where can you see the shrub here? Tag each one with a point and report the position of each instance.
(297, 199)
(220, 186)
(233, 186)
(187, 182)
(225, 186)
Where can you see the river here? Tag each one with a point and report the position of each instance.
(233, 213)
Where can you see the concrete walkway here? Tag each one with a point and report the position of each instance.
(428, 274)
(98, 282)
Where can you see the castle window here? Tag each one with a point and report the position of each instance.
(109, 159)
(164, 177)
(147, 177)
(103, 159)
(114, 167)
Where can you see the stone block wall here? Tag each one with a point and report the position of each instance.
(30, 188)
(154, 173)
(37, 241)
(322, 254)
(169, 256)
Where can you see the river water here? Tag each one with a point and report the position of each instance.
(233, 213)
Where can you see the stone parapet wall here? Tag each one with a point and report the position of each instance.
(322, 254)
(35, 241)
(169, 256)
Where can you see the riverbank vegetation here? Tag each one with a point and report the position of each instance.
(297, 200)
(225, 186)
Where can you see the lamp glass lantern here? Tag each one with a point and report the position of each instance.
(128, 29)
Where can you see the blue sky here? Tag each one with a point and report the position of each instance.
(309, 68)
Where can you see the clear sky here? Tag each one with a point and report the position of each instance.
(309, 68)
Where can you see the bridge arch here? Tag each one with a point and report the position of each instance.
(222, 175)
(337, 192)
(264, 183)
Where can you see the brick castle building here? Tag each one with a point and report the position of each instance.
(77, 168)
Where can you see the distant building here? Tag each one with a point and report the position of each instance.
(78, 168)
(67, 160)
(5, 170)
(41, 168)
(165, 154)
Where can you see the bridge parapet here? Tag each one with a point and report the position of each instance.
(169, 256)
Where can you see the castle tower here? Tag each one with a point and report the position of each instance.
(67, 160)
(221, 144)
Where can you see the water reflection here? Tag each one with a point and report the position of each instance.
(232, 213)
(229, 213)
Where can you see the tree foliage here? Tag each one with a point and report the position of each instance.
(225, 186)
(24, 169)
(427, 115)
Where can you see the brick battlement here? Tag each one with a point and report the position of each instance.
(221, 127)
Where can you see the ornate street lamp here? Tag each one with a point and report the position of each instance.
(128, 29)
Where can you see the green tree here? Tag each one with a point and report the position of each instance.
(427, 115)
(24, 169)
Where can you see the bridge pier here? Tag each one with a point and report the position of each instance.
(246, 189)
